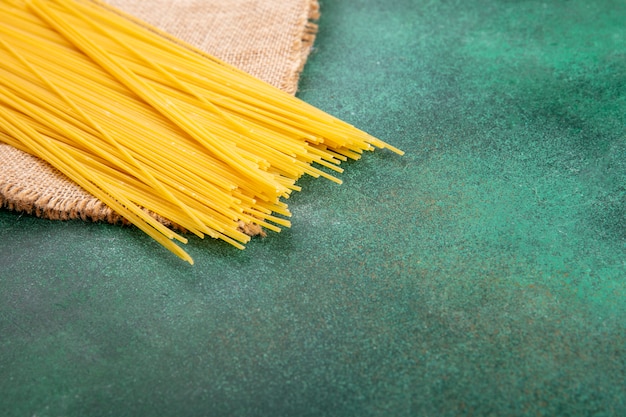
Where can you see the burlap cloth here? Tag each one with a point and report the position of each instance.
(270, 39)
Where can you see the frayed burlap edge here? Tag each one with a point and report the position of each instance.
(32, 186)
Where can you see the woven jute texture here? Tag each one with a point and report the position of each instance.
(269, 39)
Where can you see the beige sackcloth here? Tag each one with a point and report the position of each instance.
(269, 39)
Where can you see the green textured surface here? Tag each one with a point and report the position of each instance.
(483, 273)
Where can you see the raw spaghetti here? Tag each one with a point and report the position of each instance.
(149, 124)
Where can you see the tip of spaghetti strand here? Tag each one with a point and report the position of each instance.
(332, 178)
(394, 149)
(384, 145)
(180, 238)
(184, 256)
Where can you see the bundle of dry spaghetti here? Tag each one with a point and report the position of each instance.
(149, 124)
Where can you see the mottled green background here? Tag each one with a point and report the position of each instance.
(483, 273)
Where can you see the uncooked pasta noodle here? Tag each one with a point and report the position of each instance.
(156, 128)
